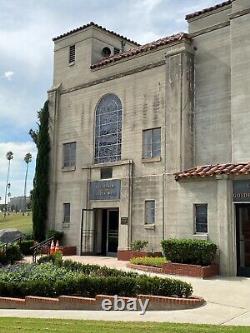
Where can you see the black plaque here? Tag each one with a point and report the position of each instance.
(241, 190)
(124, 220)
(105, 190)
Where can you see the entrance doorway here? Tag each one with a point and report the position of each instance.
(243, 239)
(107, 226)
(112, 232)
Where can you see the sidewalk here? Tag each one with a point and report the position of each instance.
(228, 302)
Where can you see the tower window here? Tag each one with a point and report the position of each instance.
(106, 52)
(72, 54)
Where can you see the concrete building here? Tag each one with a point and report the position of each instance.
(151, 142)
(18, 203)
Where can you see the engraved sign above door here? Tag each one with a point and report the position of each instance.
(105, 190)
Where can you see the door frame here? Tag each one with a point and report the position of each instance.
(111, 254)
(241, 271)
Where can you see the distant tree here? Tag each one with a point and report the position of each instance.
(9, 157)
(40, 193)
(27, 160)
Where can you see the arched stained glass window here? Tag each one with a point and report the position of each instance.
(108, 132)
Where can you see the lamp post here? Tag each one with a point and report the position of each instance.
(9, 157)
(27, 160)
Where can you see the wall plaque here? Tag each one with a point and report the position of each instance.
(124, 220)
(241, 190)
(105, 189)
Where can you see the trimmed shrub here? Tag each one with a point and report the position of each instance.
(51, 280)
(55, 258)
(13, 253)
(138, 245)
(58, 235)
(25, 246)
(189, 251)
(28, 236)
(149, 261)
(86, 269)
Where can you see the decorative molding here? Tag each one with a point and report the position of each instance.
(113, 77)
(239, 14)
(210, 29)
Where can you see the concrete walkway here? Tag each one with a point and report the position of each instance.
(228, 302)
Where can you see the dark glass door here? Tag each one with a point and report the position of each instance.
(112, 231)
(243, 239)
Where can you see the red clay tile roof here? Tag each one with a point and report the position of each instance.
(97, 26)
(141, 49)
(213, 170)
(210, 9)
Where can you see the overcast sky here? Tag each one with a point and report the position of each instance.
(26, 51)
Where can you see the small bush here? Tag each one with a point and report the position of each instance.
(189, 251)
(58, 235)
(138, 245)
(55, 258)
(13, 253)
(28, 236)
(149, 261)
(10, 255)
(25, 246)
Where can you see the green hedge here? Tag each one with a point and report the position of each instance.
(25, 246)
(86, 269)
(50, 280)
(189, 251)
(11, 255)
(58, 235)
(149, 261)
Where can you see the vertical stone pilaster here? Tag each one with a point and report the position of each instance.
(179, 109)
(54, 98)
(226, 226)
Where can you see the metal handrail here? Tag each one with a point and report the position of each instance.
(39, 246)
(5, 245)
(19, 238)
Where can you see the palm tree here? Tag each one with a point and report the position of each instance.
(9, 157)
(27, 160)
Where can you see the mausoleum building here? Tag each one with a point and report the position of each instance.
(150, 142)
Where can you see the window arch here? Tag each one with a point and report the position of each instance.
(108, 130)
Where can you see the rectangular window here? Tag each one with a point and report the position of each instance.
(152, 143)
(200, 218)
(66, 212)
(150, 212)
(72, 54)
(69, 154)
(106, 173)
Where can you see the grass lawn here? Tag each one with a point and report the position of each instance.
(14, 325)
(18, 221)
